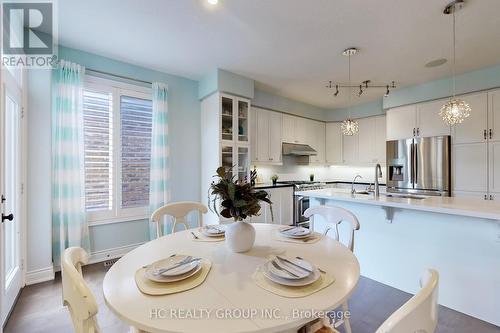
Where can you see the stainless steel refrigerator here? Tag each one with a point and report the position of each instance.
(419, 166)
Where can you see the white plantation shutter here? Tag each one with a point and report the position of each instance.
(98, 140)
(135, 126)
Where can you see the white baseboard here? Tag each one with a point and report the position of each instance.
(113, 253)
(40, 275)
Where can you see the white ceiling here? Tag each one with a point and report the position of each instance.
(290, 47)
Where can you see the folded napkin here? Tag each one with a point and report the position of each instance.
(149, 287)
(291, 292)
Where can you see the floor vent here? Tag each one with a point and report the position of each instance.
(109, 263)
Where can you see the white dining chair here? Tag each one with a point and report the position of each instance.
(77, 296)
(179, 211)
(420, 313)
(333, 217)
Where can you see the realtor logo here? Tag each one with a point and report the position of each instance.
(28, 34)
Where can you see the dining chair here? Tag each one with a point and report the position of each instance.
(333, 217)
(420, 313)
(179, 211)
(77, 296)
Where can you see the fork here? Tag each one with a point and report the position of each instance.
(194, 235)
(283, 269)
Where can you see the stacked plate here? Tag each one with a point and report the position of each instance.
(214, 230)
(296, 232)
(174, 268)
(291, 272)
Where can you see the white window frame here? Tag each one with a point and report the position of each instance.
(117, 89)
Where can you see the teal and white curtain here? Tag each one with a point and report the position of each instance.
(158, 179)
(69, 226)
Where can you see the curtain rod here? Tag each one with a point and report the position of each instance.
(116, 75)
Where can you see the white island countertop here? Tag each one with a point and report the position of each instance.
(472, 207)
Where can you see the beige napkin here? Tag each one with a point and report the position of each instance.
(203, 238)
(157, 288)
(292, 292)
(315, 237)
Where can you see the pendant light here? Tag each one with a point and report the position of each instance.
(350, 126)
(455, 110)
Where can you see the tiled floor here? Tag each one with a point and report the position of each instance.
(39, 309)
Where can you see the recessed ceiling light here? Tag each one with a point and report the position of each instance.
(213, 2)
(436, 63)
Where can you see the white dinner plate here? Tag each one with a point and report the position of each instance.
(171, 261)
(297, 232)
(286, 266)
(166, 279)
(213, 230)
(287, 282)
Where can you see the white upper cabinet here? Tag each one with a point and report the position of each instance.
(266, 136)
(380, 139)
(350, 146)
(317, 141)
(333, 143)
(295, 129)
(429, 122)
(366, 139)
(475, 127)
(494, 116)
(401, 122)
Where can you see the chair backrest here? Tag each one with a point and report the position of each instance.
(333, 217)
(77, 296)
(179, 211)
(420, 313)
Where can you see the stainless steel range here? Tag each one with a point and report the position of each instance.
(301, 203)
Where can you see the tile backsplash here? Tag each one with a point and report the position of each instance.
(291, 171)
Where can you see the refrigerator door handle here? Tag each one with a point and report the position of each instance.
(412, 164)
(415, 151)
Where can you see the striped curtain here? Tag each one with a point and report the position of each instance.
(158, 179)
(69, 225)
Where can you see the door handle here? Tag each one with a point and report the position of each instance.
(9, 217)
(485, 134)
(491, 134)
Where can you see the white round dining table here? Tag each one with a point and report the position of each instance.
(229, 300)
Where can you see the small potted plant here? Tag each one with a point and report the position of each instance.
(236, 199)
(311, 177)
(274, 179)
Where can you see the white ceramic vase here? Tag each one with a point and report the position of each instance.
(240, 236)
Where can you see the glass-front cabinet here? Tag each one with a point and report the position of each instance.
(242, 121)
(243, 163)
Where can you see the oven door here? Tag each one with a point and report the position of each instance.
(301, 205)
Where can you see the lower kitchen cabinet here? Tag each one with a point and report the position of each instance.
(282, 199)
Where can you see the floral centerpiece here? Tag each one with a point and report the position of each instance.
(238, 200)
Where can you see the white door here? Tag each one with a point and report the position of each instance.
(474, 128)
(275, 136)
(10, 188)
(333, 143)
(400, 122)
(429, 122)
(262, 136)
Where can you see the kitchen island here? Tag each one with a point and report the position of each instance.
(400, 237)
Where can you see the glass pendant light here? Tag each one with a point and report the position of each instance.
(456, 110)
(350, 126)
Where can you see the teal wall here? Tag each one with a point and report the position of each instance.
(358, 111)
(485, 78)
(184, 136)
(224, 81)
(279, 103)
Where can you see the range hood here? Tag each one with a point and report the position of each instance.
(297, 149)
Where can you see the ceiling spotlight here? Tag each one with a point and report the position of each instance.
(387, 92)
(213, 2)
(336, 91)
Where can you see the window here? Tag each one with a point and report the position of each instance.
(117, 136)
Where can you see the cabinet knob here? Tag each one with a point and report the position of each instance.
(484, 134)
(418, 131)
(270, 158)
(491, 133)
(491, 196)
(413, 131)
(485, 197)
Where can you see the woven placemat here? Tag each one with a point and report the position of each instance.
(149, 287)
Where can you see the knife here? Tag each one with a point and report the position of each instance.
(294, 264)
(163, 270)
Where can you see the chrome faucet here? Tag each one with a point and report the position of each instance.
(378, 174)
(353, 191)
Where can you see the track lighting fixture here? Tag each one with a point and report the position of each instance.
(387, 91)
(360, 91)
(336, 91)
